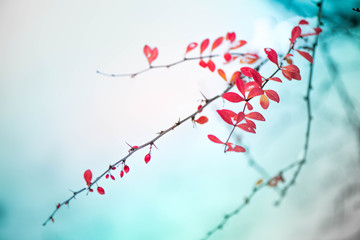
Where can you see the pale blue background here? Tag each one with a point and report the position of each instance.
(59, 118)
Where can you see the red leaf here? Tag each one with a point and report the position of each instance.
(227, 57)
(271, 94)
(249, 58)
(250, 123)
(200, 107)
(233, 97)
(264, 102)
(202, 63)
(235, 76)
(214, 139)
(303, 22)
(255, 116)
(204, 45)
(211, 65)
(225, 115)
(240, 86)
(291, 72)
(88, 177)
(255, 92)
(295, 33)
(306, 55)
(276, 79)
(239, 117)
(101, 190)
(150, 54)
(217, 43)
(249, 106)
(126, 169)
(246, 128)
(234, 148)
(317, 32)
(249, 72)
(222, 74)
(250, 85)
(147, 158)
(231, 36)
(202, 120)
(272, 55)
(121, 173)
(239, 44)
(191, 47)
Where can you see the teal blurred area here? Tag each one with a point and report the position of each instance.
(59, 118)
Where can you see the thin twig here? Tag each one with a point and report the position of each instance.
(164, 66)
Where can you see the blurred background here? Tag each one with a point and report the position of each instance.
(59, 118)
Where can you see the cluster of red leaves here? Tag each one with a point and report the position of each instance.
(254, 87)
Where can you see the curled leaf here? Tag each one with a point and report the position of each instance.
(191, 47)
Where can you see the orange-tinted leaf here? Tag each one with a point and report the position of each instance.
(255, 116)
(255, 92)
(272, 95)
(101, 190)
(214, 139)
(222, 74)
(202, 120)
(272, 55)
(227, 57)
(295, 33)
(217, 43)
(246, 127)
(202, 63)
(204, 45)
(232, 97)
(276, 79)
(306, 55)
(264, 101)
(191, 47)
(249, 58)
(303, 22)
(88, 177)
(259, 182)
(211, 65)
(240, 86)
(239, 44)
(231, 36)
(234, 148)
(225, 114)
(235, 76)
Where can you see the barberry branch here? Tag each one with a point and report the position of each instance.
(246, 201)
(165, 66)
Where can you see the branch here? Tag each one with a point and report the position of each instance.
(309, 114)
(164, 66)
(246, 201)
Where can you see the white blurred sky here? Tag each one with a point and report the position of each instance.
(59, 118)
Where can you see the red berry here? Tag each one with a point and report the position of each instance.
(147, 158)
(126, 169)
(121, 174)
